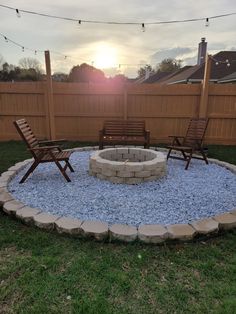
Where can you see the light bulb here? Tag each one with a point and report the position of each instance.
(23, 49)
(228, 64)
(217, 63)
(6, 40)
(18, 13)
(207, 22)
(143, 27)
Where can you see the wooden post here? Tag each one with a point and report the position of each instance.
(205, 88)
(125, 102)
(50, 104)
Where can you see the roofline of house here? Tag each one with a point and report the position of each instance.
(228, 80)
(176, 82)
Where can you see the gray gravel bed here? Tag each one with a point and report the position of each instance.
(182, 196)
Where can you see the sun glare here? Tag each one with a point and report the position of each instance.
(105, 57)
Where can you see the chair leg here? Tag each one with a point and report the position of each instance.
(69, 166)
(204, 156)
(188, 160)
(168, 155)
(62, 171)
(29, 171)
(184, 155)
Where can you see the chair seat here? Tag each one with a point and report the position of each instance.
(185, 148)
(58, 155)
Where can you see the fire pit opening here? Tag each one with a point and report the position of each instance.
(127, 165)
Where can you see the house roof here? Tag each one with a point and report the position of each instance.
(228, 78)
(196, 73)
(156, 77)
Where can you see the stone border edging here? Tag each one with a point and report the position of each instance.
(100, 230)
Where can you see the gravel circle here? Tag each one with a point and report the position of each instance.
(182, 196)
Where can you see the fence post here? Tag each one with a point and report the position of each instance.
(205, 88)
(50, 104)
(125, 102)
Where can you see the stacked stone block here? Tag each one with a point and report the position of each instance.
(127, 165)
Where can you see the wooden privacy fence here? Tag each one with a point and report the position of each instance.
(76, 111)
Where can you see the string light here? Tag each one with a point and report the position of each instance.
(227, 61)
(207, 22)
(18, 13)
(115, 22)
(143, 27)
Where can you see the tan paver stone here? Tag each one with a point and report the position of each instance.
(181, 232)
(101, 176)
(109, 173)
(16, 167)
(12, 206)
(125, 174)
(133, 180)
(27, 214)
(3, 184)
(68, 225)
(3, 190)
(123, 232)
(226, 221)
(45, 221)
(151, 178)
(6, 176)
(152, 233)
(233, 211)
(134, 165)
(95, 229)
(205, 226)
(5, 197)
(116, 180)
(143, 174)
(150, 165)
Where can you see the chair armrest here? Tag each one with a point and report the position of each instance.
(176, 136)
(52, 141)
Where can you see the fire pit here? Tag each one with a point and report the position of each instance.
(127, 165)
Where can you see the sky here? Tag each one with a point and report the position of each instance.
(117, 49)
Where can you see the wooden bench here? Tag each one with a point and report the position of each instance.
(124, 132)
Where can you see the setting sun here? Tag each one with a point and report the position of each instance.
(105, 57)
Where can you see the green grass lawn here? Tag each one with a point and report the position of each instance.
(42, 272)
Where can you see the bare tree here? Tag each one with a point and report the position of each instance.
(30, 63)
(1, 61)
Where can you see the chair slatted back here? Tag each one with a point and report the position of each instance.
(27, 134)
(196, 131)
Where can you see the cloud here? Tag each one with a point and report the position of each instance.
(182, 53)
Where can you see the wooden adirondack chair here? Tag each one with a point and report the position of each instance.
(191, 142)
(43, 151)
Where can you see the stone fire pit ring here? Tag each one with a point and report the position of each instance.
(127, 165)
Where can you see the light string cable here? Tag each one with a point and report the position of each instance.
(35, 51)
(206, 19)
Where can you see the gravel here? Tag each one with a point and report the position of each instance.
(182, 196)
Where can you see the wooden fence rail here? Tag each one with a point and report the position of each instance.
(79, 109)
